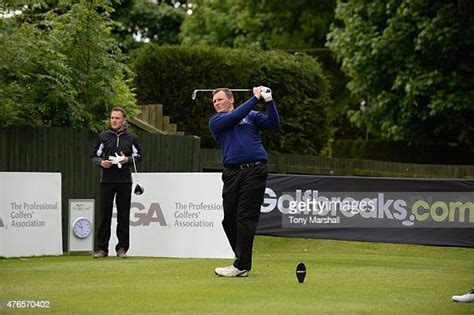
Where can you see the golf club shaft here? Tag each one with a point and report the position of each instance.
(210, 90)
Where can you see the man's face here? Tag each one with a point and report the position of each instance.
(222, 103)
(116, 120)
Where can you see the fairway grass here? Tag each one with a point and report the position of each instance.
(342, 277)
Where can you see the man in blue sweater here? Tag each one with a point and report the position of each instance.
(245, 169)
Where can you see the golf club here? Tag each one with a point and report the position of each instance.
(193, 96)
(138, 188)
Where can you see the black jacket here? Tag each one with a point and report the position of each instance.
(111, 142)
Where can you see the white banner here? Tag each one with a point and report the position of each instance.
(179, 215)
(30, 214)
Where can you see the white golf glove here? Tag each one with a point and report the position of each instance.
(266, 93)
(117, 159)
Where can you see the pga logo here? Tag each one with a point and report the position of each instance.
(143, 216)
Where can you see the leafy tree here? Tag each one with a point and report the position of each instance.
(100, 78)
(263, 23)
(35, 80)
(62, 68)
(412, 62)
(139, 22)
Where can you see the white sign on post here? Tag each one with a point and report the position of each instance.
(81, 225)
(30, 214)
(179, 215)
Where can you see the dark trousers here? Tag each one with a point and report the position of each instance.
(242, 196)
(123, 194)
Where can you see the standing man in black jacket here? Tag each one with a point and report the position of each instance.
(113, 154)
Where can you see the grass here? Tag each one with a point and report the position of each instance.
(342, 277)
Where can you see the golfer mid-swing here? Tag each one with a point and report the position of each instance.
(245, 169)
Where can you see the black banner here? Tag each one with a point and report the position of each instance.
(392, 210)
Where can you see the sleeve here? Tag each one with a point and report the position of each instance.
(269, 121)
(224, 121)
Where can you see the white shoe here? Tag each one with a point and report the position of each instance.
(466, 298)
(231, 271)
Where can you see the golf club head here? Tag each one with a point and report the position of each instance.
(300, 272)
(138, 189)
(193, 96)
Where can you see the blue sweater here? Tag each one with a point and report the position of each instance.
(237, 132)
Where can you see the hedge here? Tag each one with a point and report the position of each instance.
(168, 75)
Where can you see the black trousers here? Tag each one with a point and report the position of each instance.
(123, 195)
(242, 196)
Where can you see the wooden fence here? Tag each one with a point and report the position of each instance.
(306, 164)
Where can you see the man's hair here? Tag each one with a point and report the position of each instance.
(225, 90)
(119, 109)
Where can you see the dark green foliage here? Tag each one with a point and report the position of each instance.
(273, 24)
(60, 67)
(413, 64)
(35, 80)
(168, 75)
(136, 22)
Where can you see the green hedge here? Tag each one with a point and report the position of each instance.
(169, 74)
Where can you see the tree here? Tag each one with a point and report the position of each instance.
(62, 68)
(412, 63)
(138, 22)
(35, 80)
(99, 76)
(267, 24)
